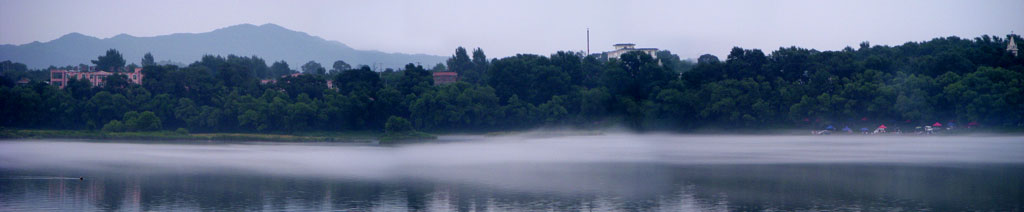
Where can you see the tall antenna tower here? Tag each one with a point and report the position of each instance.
(588, 41)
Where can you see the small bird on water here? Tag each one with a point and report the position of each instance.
(81, 178)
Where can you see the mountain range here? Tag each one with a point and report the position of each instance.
(269, 41)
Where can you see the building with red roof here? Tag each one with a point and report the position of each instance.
(60, 77)
(447, 77)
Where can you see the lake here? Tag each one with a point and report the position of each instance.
(529, 172)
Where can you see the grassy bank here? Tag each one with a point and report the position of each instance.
(170, 135)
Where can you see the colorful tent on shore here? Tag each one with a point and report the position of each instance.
(882, 127)
(846, 128)
(864, 129)
(972, 123)
(936, 124)
(829, 127)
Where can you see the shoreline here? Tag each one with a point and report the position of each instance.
(373, 137)
(346, 137)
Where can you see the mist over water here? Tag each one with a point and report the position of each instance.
(347, 160)
(748, 170)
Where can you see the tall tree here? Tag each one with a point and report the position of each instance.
(414, 79)
(340, 66)
(279, 69)
(707, 59)
(479, 67)
(460, 63)
(439, 67)
(571, 63)
(636, 75)
(112, 61)
(362, 80)
(312, 67)
(147, 60)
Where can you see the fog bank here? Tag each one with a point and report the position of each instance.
(375, 161)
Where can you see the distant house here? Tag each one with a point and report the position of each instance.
(274, 80)
(624, 48)
(23, 81)
(60, 77)
(441, 78)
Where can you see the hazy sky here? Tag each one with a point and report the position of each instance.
(503, 28)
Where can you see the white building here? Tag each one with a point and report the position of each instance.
(1011, 47)
(623, 48)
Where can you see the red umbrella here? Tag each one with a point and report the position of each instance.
(883, 126)
(936, 124)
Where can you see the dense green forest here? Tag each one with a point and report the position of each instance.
(942, 80)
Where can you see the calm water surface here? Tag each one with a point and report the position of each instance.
(617, 172)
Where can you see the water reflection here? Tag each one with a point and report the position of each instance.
(637, 188)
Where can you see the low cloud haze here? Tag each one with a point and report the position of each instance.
(504, 28)
(503, 160)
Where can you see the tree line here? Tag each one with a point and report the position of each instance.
(942, 80)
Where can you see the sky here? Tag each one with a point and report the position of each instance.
(506, 28)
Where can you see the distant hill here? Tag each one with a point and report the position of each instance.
(270, 42)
